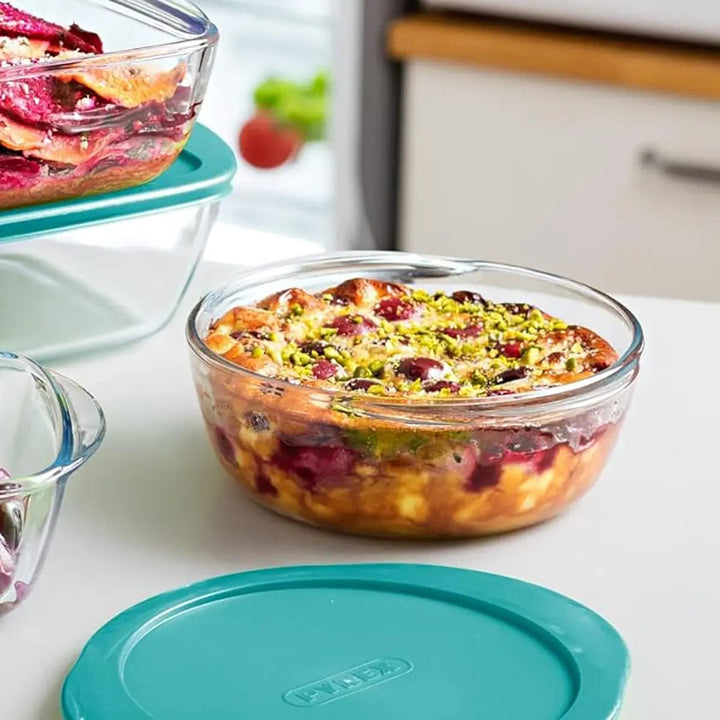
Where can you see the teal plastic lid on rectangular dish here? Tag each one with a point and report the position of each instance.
(360, 642)
(202, 172)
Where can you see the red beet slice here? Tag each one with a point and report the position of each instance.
(16, 173)
(18, 23)
(18, 164)
(90, 39)
(168, 118)
(37, 101)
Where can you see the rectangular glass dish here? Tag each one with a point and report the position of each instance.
(95, 272)
(97, 95)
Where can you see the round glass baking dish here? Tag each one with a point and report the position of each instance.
(432, 468)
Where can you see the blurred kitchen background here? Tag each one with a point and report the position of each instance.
(575, 136)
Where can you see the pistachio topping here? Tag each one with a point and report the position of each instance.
(371, 337)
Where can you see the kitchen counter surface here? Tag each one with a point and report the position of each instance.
(154, 510)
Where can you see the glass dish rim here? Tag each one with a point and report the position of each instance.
(209, 36)
(602, 382)
(67, 459)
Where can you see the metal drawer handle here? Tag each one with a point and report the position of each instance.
(680, 168)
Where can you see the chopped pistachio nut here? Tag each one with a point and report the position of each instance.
(536, 316)
(377, 367)
(532, 355)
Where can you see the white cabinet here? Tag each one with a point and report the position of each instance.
(549, 173)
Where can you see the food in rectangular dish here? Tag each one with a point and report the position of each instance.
(75, 121)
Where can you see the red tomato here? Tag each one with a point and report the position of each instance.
(266, 144)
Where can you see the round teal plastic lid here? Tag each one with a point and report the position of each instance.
(360, 642)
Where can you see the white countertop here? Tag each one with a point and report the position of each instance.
(154, 510)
